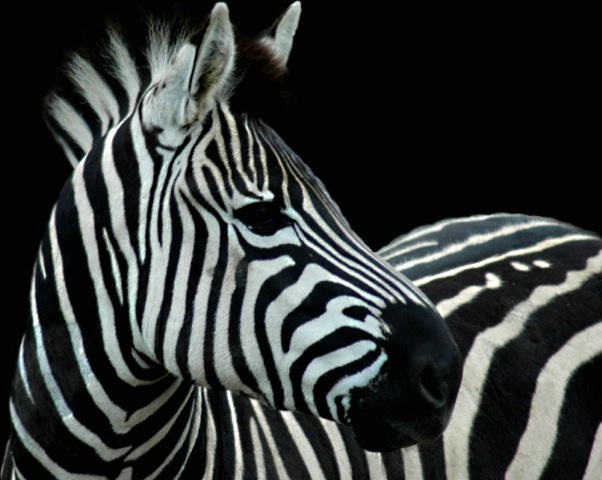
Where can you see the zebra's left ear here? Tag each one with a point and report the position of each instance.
(279, 37)
(212, 70)
(198, 76)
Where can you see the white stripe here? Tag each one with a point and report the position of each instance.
(179, 290)
(175, 448)
(159, 240)
(144, 163)
(252, 352)
(74, 126)
(71, 423)
(238, 466)
(305, 448)
(116, 193)
(391, 289)
(222, 356)
(87, 223)
(320, 366)
(42, 264)
(539, 438)
(125, 68)
(338, 449)
(412, 465)
(387, 254)
(114, 265)
(211, 447)
(467, 295)
(376, 465)
(594, 465)
(476, 369)
(257, 450)
(97, 93)
(95, 389)
(437, 227)
(196, 347)
(194, 429)
(41, 456)
(23, 370)
(144, 414)
(267, 433)
(539, 247)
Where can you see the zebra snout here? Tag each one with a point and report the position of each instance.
(433, 386)
(412, 398)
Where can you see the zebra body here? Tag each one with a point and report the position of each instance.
(192, 253)
(523, 298)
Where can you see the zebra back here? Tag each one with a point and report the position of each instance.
(523, 298)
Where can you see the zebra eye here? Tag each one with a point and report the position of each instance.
(262, 218)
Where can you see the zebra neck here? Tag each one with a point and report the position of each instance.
(110, 404)
(104, 428)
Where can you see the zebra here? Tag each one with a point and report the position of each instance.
(199, 306)
(522, 295)
(519, 293)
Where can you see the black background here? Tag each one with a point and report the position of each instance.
(409, 114)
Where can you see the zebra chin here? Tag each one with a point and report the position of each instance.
(382, 425)
(378, 432)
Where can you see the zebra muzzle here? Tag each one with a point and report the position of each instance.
(412, 398)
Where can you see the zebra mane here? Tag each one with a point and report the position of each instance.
(100, 83)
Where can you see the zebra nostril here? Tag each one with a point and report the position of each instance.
(433, 387)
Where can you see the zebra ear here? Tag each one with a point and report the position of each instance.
(279, 37)
(198, 75)
(213, 66)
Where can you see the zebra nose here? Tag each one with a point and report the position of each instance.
(401, 408)
(429, 358)
(433, 386)
(412, 398)
(433, 390)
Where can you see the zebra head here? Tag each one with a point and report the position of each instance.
(226, 257)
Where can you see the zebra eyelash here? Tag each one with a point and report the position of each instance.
(263, 218)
